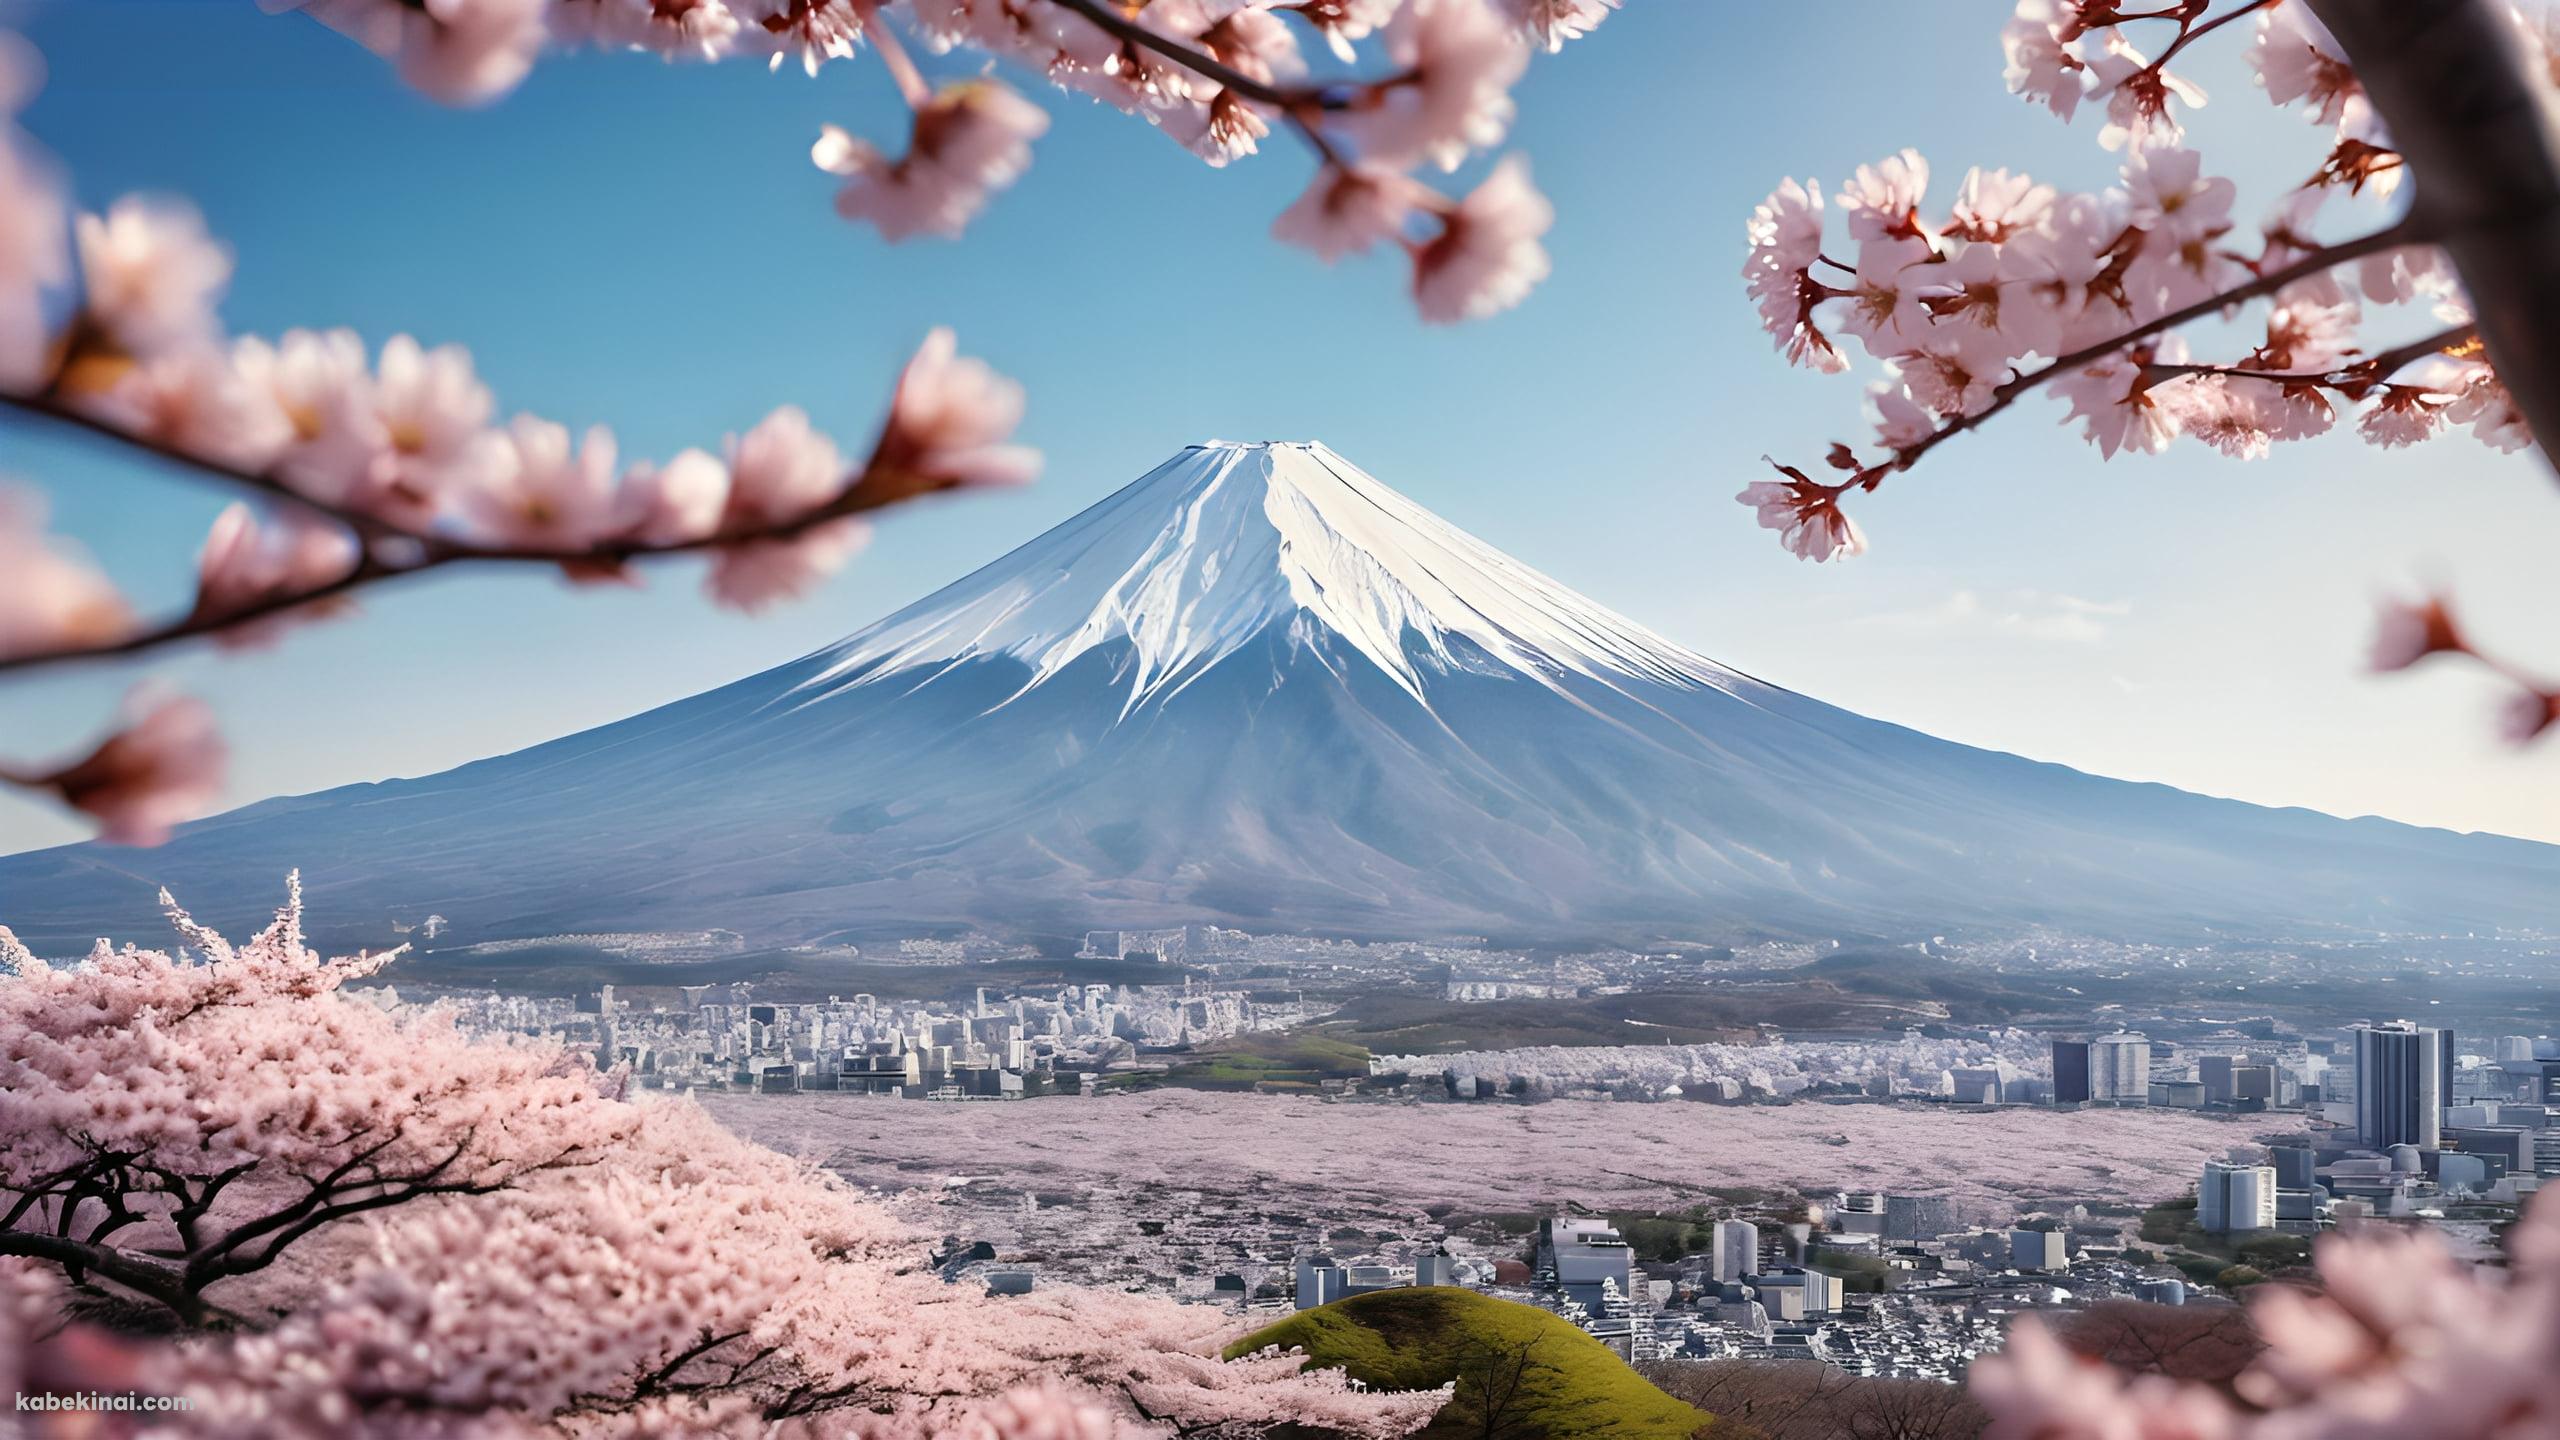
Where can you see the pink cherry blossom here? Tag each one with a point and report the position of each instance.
(54, 598)
(461, 52)
(2115, 405)
(246, 563)
(1455, 63)
(815, 30)
(781, 470)
(1550, 23)
(191, 399)
(150, 275)
(2484, 404)
(547, 491)
(1901, 421)
(433, 414)
(947, 426)
(2044, 66)
(674, 503)
(1882, 200)
(1995, 205)
(1805, 514)
(675, 29)
(2403, 415)
(970, 140)
(1887, 300)
(323, 386)
(1785, 232)
(1487, 257)
(2138, 95)
(164, 765)
(1346, 22)
(2172, 200)
(1348, 210)
(2407, 631)
(760, 573)
(2296, 59)
(2074, 270)
(1954, 371)
(2234, 416)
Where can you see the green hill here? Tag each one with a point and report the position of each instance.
(1522, 1373)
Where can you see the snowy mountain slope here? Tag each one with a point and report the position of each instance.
(1257, 687)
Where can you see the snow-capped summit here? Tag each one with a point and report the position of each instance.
(1225, 541)
(1259, 688)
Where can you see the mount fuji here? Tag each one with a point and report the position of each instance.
(1258, 688)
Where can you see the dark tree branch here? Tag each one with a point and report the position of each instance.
(2482, 142)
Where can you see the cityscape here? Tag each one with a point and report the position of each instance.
(1279, 720)
(2284, 1132)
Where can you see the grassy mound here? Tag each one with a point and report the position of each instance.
(1282, 1061)
(1521, 1373)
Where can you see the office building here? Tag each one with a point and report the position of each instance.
(2038, 1250)
(1735, 1250)
(2120, 1068)
(2404, 1078)
(2070, 1072)
(2236, 1197)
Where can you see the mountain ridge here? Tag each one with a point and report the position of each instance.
(1257, 687)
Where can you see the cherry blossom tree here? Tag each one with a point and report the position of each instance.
(359, 466)
(2405, 290)
(351, 1219)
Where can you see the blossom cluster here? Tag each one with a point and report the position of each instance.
(2400, 1338)
(2016, 284)
(359, 1221)
(371, 463)
(1218, 76)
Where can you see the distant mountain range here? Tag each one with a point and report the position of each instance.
(1259, 688)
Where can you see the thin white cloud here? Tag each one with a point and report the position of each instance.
(2031, 614)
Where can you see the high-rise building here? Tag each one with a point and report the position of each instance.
(1735, 1250)
(2038, 1250)
(1437, 1268)
(2214, 1071)
(2070, 1072)
(2236, 1197)
(2297, 1167)
(2515, 1047)
(2404, 1078)
(2120, 1068)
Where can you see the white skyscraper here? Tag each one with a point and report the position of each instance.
(2120, 1068)
(2236, 1197)
(1736, 1250)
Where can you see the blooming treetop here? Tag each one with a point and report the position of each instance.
(362, 1222)
(2013, 285)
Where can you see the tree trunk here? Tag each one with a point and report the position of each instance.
(2476, 127)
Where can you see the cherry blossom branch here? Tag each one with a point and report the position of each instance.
(2354, 378)
(1208, 67)
(896, 472)
(2405, 231)
(2189, 33)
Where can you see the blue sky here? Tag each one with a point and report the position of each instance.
(648, 246)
